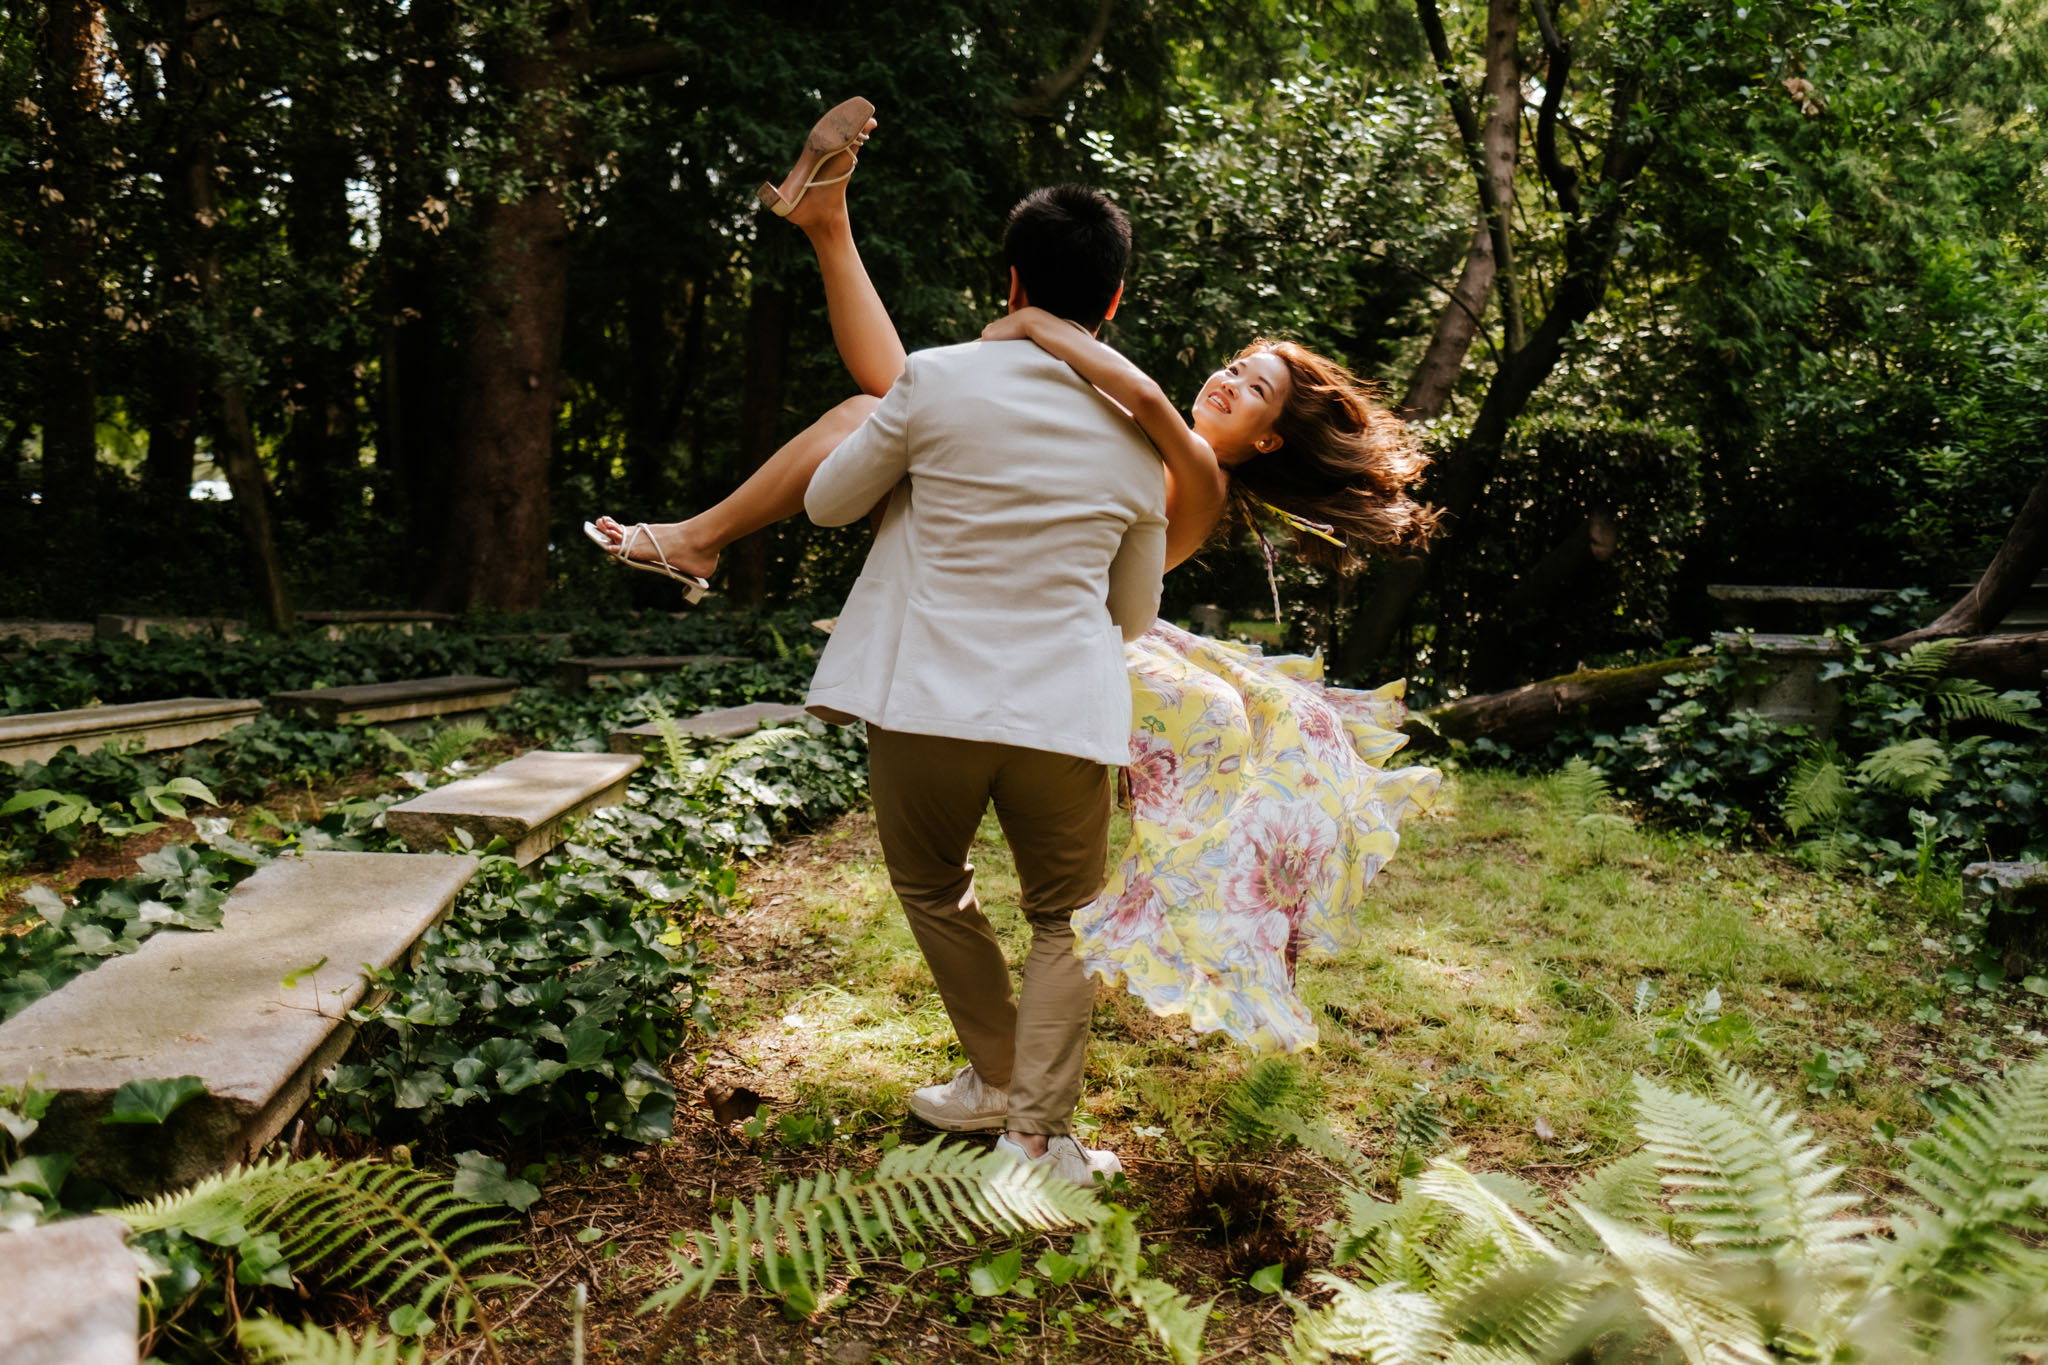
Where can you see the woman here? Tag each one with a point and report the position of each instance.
(1259, 807)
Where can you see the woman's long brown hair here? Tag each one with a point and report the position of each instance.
(1344, 461)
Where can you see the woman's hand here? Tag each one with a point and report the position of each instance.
(1026, 324)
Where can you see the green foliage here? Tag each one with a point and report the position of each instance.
(790, 1241)
(271, 1342)
(553, 994)
(392, 1233)
(443, 746)
(1728, 1238)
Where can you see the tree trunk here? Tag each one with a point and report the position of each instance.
(321, 446)
(2013, 569)
(768, 321)
(496, 554)
(236, 448)
(2001, 661)
(69, 89)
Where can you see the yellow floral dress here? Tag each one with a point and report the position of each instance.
(1260, 811)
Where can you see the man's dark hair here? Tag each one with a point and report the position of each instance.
(1069, 245)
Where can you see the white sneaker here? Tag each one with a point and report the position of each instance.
(1069, 1160)
(965, 1104)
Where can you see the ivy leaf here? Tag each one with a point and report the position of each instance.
(408, 1320)
(260, 1260)
(480, 1178)
(48, 904)
(153, 1101)
(41, 1176)
(1269, 1280)
(992, 1275)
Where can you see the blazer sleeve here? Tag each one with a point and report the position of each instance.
(1134, 577)
(862, 469)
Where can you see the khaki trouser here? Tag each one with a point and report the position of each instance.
(929, 794)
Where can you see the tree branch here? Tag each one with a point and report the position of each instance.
(609, 65)
(1496, 142)
(1563, 180)
(2023, 555)
(1044, 98)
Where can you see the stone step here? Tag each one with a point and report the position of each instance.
(730, 723)
(529, 802)
(114, 626)
(415, 699)
(73, 1295)
(580, 672)
(1779, 606)
(152, 725)
(338, 625)
(217, 1006)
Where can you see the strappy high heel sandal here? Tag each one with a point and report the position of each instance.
(841, 130)
(693, 587)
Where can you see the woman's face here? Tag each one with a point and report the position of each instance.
(1239, 405)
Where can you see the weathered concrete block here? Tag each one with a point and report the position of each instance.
(338, 625)
(529, 802)
(729, 723)
(114, 626)
(36, 632)
(580, 672)
(383, 703)
(216, 1005)
(1208, 619)
(1792, 689)
(149, 725)
(73, 1295)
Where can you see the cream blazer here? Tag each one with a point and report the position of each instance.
(1022, 545)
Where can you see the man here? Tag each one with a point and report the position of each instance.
(1021, 545)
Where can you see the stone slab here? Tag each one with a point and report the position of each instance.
(73, 1295)
(730, 723)
(147, 725)
(339, 625)
(215, 1005)
(1782, 646)
(529, 802)
(1798, 593)
(2014, 885)
(579, 672)
(113, 626)
(36, 632)
(413, 699)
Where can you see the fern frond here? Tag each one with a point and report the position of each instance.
(1176, 1320)
(1625, 1189)
(955, 1190)
(1484, 1212)
(1980, 1178)
(672, 747)
(1526, 1312)
(1385, 1325)
(1914, 767)
(1269, 1087)
(271, 1342)
(1968, 699)
(1186, 1129)
(1741, 1173)
(1679, 1292)
(1817, 793)
(386, 1230)
(1927, 659)
(1581, 787)
(456, 741)
(1318, 1138)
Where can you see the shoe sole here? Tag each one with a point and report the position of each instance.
(985, 1123)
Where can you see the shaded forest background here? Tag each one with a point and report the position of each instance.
(1683, 292)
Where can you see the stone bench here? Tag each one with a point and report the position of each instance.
(114, 626)
(337, 625)
(72, 1297)
(1777, 606)
(384, 703)
(529, 802)
(147, 725)
(216, 1005)
(579, 673)
(730, 723)
(1792, 689)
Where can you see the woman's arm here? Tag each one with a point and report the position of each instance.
(1195, 483)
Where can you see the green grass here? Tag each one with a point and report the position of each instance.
(1502, 972)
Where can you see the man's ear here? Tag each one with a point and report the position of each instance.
(1018, 298)
(1114, 300)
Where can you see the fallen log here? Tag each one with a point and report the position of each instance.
(1535, 710)
(1532, 713)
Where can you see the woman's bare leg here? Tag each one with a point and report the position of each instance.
(873, 354)
(772, 493)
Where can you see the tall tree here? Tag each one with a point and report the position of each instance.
(70, 92)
